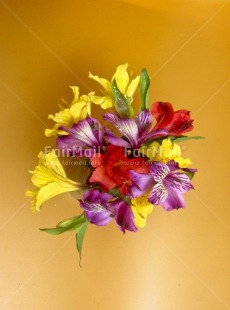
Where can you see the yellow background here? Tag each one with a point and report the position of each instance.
(181, 259)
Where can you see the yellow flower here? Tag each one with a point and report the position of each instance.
(165, 152)
(141, 209)
(122, 79)
(50, 179)
(79, 109)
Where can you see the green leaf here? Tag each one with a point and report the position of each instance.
(189, 174)
(173, 139)
(145, 83)
(115, 192)
(66, 225)
(123, 106)
(80, 234)
(184, 138)
(53, 231)
(73, 222)
(77, 223)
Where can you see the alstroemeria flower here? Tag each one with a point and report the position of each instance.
(166, 184)
(175, 122)
(135, 132)
(79, 109)
(112, 168)
(165, 152)
(124, 85)
(101, 208)
(50, 179)
(141, 208)
(82, 139)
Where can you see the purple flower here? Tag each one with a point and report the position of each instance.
(135, 132)
(100, 209)
(166, 182)
(82, 139)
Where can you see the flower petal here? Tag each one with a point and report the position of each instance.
(88, 131)
(175, 123)
(95, 204)
(173, 201)
(178, 182)
(163, 112)
(83, 139)
(78, 111)
(158, 194)
(173, 166)
(141, 183)
(40, 196)
(165, 152)
(69, 144)
(104, 83)
(55, 131)
(144, 122)
(48, 170)
(100, 218)
(159, 171)
(50, 179)
(122, 78)
(133, 87)
(127, 127)
(105, 102)
(76, 93)
(155, 134)
(93, 195)
(141, 209)
(124, 217)
(113, 139)
(180, 123)
(183, 162)
(96, 160)
(62, 117)
(100, 177)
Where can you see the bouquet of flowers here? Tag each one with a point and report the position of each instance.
(133, 163)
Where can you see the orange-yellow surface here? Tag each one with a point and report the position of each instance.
(181, 259)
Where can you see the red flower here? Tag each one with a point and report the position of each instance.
(175, 122)
(112, 168)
